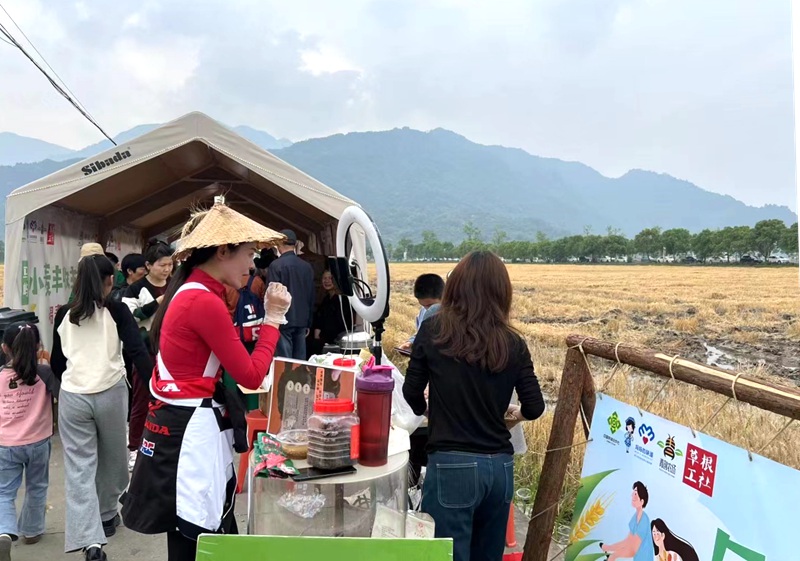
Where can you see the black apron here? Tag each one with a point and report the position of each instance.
(183, 478)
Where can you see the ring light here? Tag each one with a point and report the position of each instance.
(371, 310)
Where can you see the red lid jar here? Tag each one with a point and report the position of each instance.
(345, 362)
(334, 406)
(333, 434)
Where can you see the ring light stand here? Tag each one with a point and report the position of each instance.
(375, 309)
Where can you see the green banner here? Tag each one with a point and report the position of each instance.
(278, 548)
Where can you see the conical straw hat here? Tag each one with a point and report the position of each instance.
(221, 225)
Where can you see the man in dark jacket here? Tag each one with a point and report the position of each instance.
(298, 277)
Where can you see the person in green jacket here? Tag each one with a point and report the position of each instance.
(119, 276)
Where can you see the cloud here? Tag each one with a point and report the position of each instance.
(579, 26)
(702, 91)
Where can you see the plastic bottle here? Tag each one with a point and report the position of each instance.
(374, 396)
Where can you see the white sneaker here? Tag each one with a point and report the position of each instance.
(131, 459)
(5, 547)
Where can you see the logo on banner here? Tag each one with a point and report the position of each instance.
(670, 449)
(614, 423)
(667, 463)
(51, 234)
(647, 434)
(36, 231)
(700, 469)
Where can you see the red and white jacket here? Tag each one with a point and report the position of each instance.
(198, 337)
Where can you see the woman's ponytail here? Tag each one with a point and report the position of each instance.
(22, 340)
(90, 287)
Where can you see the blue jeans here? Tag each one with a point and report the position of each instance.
(34, 461)
(292, 343)
(469, 497)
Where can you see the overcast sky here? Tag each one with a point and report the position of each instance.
(701, 90)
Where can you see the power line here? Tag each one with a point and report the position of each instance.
(41, 56)
(68, 96)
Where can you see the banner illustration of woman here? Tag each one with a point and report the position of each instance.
(668, 546)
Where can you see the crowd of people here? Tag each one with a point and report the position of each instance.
(151, 350)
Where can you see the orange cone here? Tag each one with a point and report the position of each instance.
(511, 539)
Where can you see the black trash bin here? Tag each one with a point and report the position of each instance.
(9, 316)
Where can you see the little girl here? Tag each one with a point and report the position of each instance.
(26, 425)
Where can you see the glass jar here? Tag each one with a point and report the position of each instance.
(333, 434)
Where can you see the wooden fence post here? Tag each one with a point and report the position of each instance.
(588, 401)
(554, 470)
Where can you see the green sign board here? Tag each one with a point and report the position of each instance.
(278, 548)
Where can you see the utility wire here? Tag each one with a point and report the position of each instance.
(41, 56)
(68, 96)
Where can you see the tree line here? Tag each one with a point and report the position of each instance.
(728, 244)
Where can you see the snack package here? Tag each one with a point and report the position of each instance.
(270, 459)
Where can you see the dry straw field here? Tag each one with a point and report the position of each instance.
(742, 318)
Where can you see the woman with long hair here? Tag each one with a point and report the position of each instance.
(88, 337)
(668, 546)
(473, 361)
(183, 483)
(143, 298)
(334, 316)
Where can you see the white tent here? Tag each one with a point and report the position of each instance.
(146, 188)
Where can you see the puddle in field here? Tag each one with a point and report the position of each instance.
(718, 358)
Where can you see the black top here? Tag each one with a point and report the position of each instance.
(144, 293)
(468, 404)
(298, 278)
(333, 317)
(119, 290)
(127, 330)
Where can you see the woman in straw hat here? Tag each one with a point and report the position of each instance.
(183, 482)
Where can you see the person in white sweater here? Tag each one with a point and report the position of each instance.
(88, 336)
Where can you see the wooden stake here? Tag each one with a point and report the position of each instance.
(554, 469)
(777, 398)
(588, 401)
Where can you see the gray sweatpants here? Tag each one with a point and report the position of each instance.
(92, 429)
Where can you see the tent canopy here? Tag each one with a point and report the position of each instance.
(151, 182)
(148, 186)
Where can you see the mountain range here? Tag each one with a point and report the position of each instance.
(15, 149)
(410, 181)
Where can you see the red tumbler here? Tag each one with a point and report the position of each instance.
(374, 389)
